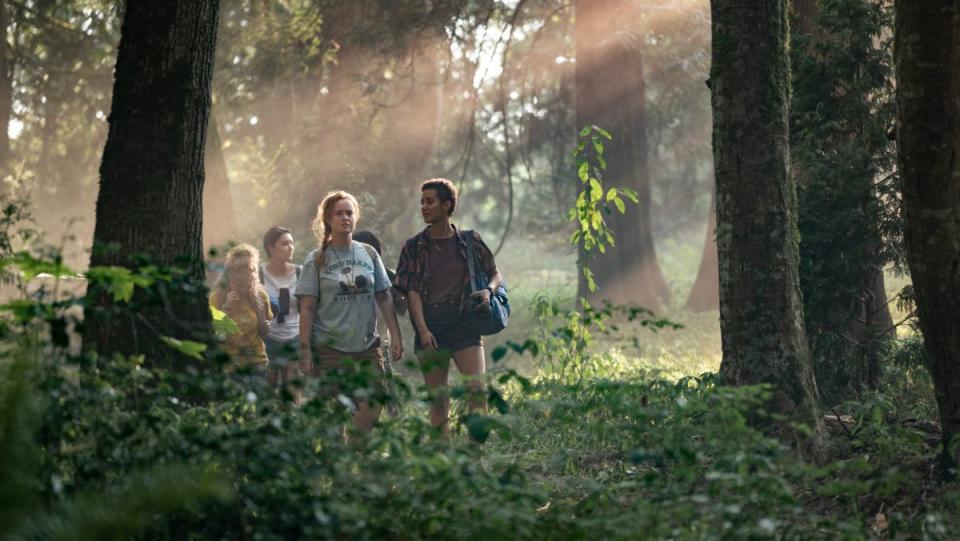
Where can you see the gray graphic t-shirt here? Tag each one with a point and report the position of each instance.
(346, 316)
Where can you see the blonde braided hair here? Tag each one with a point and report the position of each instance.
(321, 223)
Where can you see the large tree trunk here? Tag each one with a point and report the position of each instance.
(610, 93)
(927, 50)
(761, 315)
(705, 294)
(6, 88)
(152, 175)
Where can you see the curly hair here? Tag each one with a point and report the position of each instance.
(445, 189)
(240, 257)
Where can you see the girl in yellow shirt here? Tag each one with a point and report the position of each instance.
(240, 295)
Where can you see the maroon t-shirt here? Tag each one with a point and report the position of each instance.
(447, 271)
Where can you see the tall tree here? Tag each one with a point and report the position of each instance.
(842, 107)
(761, 314)
(152, 175)
(610, 93)
(927, 52)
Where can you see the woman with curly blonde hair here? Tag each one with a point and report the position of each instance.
(240, 295)
(342, 284)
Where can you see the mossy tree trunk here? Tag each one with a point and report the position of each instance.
(927, 51)
(610, 93)
(761, 314)
(150, 205)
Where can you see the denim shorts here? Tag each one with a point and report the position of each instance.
(444, 321)
(282, 353)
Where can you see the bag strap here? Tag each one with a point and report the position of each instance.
(371, 251)
(298, 269)
(471, 257)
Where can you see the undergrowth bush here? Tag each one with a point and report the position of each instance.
(97, 448)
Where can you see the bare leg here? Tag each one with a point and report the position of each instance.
(472, 365)
(289, 375)
(272, 375)
(436, 368)
(365, 417)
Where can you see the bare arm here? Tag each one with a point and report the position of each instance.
(262, 306)
(385, 302)
(308, 305)
(416, 312)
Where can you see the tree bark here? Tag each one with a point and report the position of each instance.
(150, 205)
(610, 93)
(927, 52)
(761, 315)
(6, 89)
(705, 294)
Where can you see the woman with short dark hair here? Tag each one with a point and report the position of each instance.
(434, 273)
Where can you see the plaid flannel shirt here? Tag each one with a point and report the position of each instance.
(413, 269)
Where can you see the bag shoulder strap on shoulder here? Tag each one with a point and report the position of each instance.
(298, 269)
(371, 251)
(467, 235)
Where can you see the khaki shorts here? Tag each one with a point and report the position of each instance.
(361, 372)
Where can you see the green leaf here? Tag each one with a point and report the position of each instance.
(119, 281)
(25, 310)
(603, 132)
(479, 426)
(31, 267)
(585, 131)
(499, 353)
(187, 347)
(611, 194)
(620, 206)
(584, 171)
(495, 399)
(222, 324)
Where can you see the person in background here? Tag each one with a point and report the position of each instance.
(399, 305)
(434, 273)
(342, 284)
(240, 295)
(279, 276)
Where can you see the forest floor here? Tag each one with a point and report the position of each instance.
(611, 430)
(877, 479)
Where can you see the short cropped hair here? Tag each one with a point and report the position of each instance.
(445, 189)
